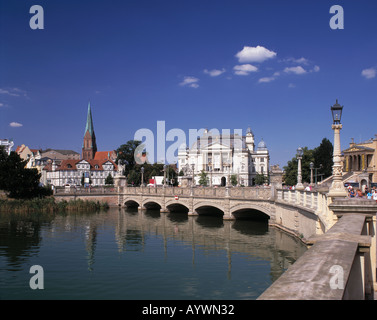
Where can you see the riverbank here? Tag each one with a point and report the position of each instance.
(49, 205)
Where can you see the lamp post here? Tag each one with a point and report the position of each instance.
(299, 185)
(337, 188)
(193, 181)
(142, 176)
(164, 184)
(311, 173)
(210, 174)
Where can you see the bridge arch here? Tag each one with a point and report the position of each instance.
(208, 208)
(152, 204)
(177, 206)
(131, 203)
(250, 211)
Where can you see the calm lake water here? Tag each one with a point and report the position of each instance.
(123, 254)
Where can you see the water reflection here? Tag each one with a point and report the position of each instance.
(20, 237)
(143, 239)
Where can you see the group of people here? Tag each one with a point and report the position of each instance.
(369, 194)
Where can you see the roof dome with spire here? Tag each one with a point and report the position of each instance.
(262, 145)
(249, 132)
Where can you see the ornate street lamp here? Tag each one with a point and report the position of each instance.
(336, 111)
(311, 173)
(337, 188)
(299, 185)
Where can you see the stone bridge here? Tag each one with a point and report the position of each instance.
(301, 213)
(229, 203)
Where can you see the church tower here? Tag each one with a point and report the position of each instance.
(250, 140)
(89, 147)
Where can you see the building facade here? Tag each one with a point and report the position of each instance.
(74, 172)
(360, 160)
(223, 156)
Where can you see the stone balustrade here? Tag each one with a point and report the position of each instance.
(340, 265)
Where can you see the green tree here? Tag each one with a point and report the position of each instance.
(126, 154)
(203, 178)
(233, 179)
(323, 158)
(290, 170)
(260, 179)
(109, 179)
(18, 181)
(133, 178)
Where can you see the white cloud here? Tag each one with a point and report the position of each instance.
(316, 68)
(295, 70)
(369, 73)
(291, 85)
(4, 91)
(190, 82)
(301, 60)
(254, 54)
(1, 105)
(244, 69)
(266, 79)
(15, 124)
(214, 72)
(15, 92)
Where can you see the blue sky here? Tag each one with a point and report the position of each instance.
(275, 66)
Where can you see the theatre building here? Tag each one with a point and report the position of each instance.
(360, 162)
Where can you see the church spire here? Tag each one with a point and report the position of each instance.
(89, 121)
(89, 147)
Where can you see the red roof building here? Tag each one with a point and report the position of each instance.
(71, 172)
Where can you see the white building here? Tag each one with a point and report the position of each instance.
(71, 172)
(222, 156)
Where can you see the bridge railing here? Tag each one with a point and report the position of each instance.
(264, 193)
(314, 200)
(339, 265)
(83, 190)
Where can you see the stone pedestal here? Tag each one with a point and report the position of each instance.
(120, 181)
(276, 177)
(337, 188)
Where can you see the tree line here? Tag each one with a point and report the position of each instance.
(18, 181)
(322, 158)
(126, 154)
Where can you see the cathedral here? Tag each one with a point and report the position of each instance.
(222, 156)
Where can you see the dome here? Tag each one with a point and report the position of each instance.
(262, 145)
